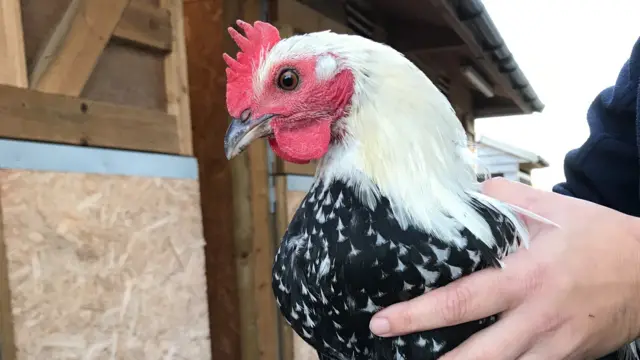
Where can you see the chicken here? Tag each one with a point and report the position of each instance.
(395, 208)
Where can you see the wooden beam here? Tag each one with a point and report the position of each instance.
(145, 26)
(206, 40)
(263, 251)
(441, 49)
(67, 59)
(244, 314)
(265, 310)
(497, 110)
(304, 18)
(337, 11)
(7, 335)
(175, 76)
(460, 94)
(282, 222)
(282, 218)
(32, 115)
(281, 167)
(13, 67)
(418, 36)
(254, 240)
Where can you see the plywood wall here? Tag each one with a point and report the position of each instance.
(105, 267)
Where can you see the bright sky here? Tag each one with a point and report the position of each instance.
(569, 50)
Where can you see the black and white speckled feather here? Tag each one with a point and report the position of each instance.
(341, 261)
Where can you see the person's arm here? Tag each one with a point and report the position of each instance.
(605, 169)
(571, 295)
(563, 296)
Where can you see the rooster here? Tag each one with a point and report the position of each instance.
(395, 208)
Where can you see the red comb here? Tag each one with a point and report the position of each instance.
(258, 40)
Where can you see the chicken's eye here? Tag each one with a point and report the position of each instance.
(288, 80)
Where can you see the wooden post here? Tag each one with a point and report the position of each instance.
(282, 222)
(460, 97)
(13, 67)
(175, 75)
(234, 194)
(13, 72)
(204, 38)
(254, 236)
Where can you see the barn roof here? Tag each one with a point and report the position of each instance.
(446, 38)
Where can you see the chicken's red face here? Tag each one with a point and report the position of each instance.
(293, 101)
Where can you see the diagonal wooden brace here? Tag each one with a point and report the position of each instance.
(68, 58)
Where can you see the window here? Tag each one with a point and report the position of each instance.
(482, 177)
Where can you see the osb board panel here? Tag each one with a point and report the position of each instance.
(123, 75)
(129, 76)
(105, 267)
(301, 351)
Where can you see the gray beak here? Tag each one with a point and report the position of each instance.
(241, 133)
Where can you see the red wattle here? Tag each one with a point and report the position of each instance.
(301, 144)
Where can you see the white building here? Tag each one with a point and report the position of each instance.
(504, 160)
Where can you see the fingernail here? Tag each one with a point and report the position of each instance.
(380, 326)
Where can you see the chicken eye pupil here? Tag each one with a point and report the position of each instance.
(288, 80)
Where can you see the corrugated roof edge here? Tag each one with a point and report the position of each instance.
(533, 158)
(474, 15)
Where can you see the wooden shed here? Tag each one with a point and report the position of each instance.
(125, 232)
(500, 159)
(101, 241)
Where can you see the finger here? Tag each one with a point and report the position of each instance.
(505, 340)
(473, 297)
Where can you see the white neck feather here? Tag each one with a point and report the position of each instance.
(405, 142)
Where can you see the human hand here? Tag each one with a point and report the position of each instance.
(574, 294)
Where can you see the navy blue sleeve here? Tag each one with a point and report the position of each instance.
(605, 169)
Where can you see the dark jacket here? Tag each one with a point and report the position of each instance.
(605, 169)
